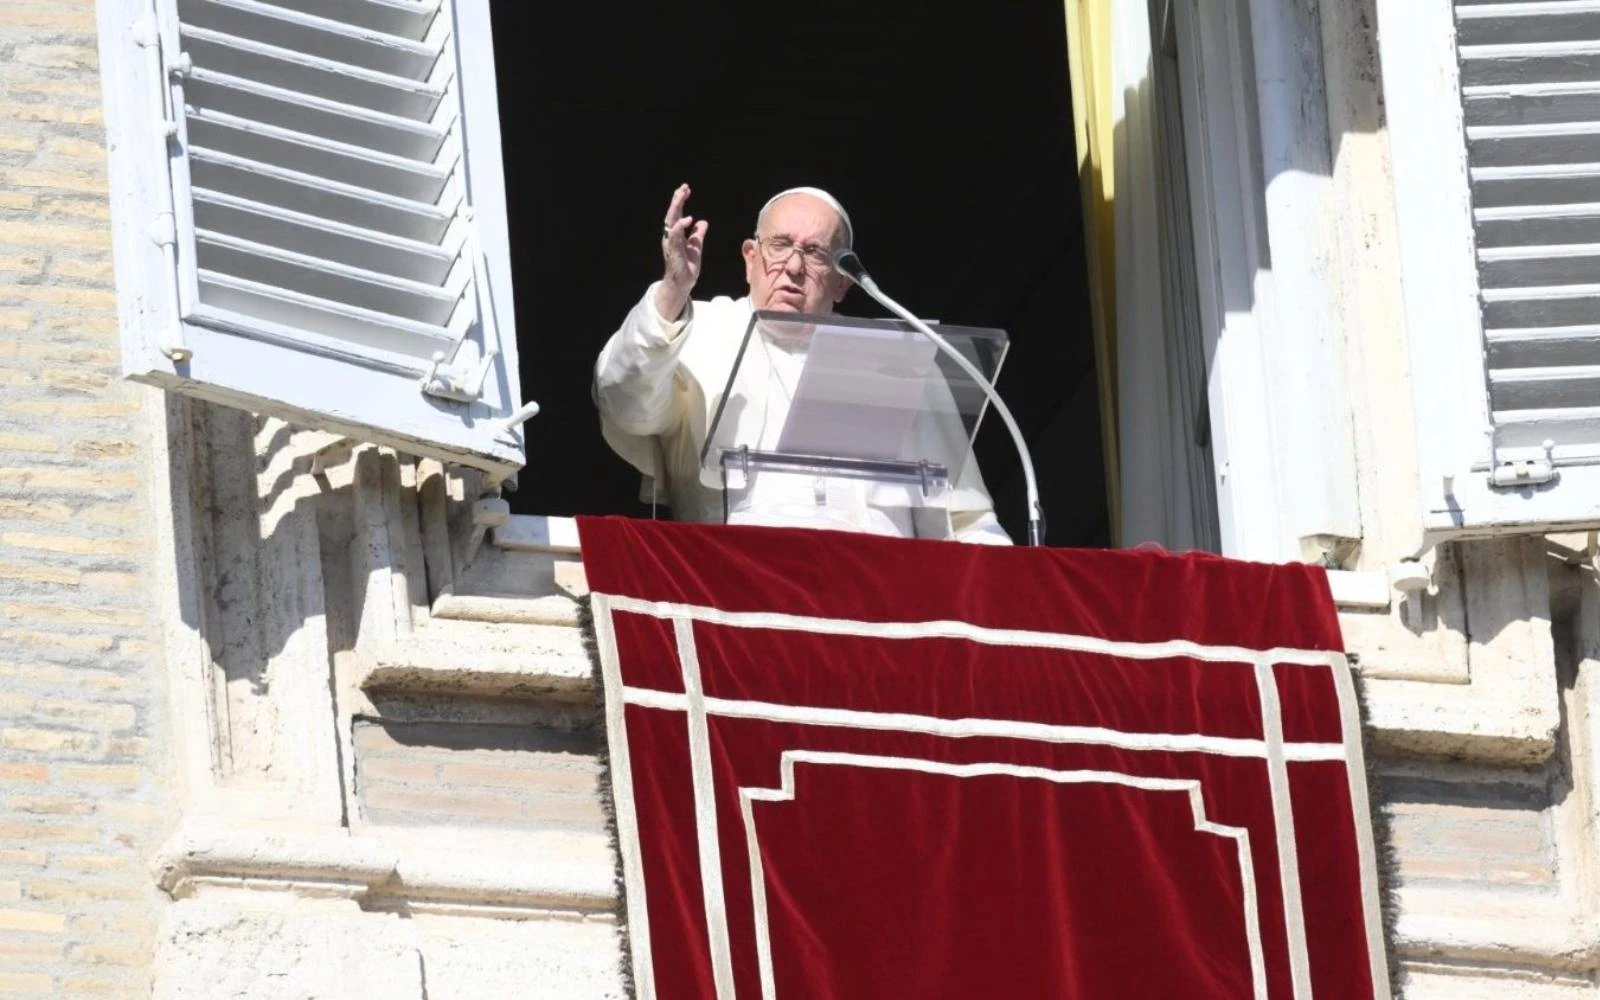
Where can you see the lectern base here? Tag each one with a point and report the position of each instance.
(895, 522)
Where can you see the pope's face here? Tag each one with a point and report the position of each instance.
(789, 265)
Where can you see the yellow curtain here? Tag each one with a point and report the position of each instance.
(1089, 58)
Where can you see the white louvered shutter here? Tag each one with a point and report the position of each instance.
(328, 214)
(1512, 151)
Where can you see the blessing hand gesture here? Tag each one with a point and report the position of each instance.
(682, 245)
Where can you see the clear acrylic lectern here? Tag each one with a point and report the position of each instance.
(860, 424)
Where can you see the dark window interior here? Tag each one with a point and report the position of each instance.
(947, 135)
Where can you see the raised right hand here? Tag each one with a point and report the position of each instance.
(682, 245)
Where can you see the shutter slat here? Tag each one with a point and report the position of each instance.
(1563, 387)
(308, 154)
(273, 185)
(1559, 305)
(1528, 188)
(321, 278)
(1546, 145)
(362, 248)
(325, 317)
(1542, 347)
(1528, 22)
(403, 18)
(1537, 225)
(297, 109)
(305, 74)
(1574, 431)
(1531, 103)
(296, 31)
(1565, 62)
(1514, 267)
(295, 69)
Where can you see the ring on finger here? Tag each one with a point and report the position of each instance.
(666, 230)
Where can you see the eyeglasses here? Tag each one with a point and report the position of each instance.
(776, 251)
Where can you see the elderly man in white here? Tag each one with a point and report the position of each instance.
(660, 377)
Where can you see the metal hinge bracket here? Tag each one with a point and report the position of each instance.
(1526, 472)
(464, 385)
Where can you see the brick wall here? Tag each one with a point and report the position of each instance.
(473, 774)
(83, 793)
(1454, 824)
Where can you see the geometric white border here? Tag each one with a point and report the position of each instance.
(932, 725)
(640, 954)
(705, 810)
(785, 793)
(1283, 825)
(1165, 650)
(698, 708)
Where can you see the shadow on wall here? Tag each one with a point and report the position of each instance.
(1195, 172)
(256, 521)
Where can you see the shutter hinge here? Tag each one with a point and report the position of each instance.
(145, 32)
(1526, 472)
(163, 233)
(163, 230)
(147, 35)
(455, 382)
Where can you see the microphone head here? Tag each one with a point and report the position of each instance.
(848, 264)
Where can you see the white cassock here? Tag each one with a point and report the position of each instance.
(658, 384)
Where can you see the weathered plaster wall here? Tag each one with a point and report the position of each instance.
(84, 779)
(391, 774)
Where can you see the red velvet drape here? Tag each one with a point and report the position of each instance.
(852, 767)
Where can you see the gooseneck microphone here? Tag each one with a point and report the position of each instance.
(847, 263)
